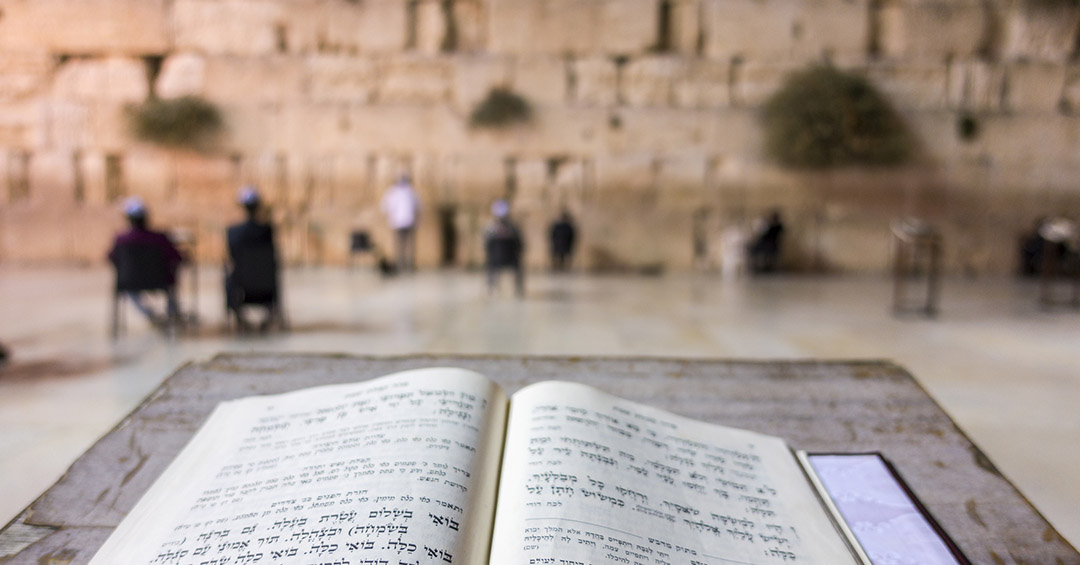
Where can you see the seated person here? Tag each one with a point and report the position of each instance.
(145, 260)
(503, 247)
(764, 250)
(251, 276)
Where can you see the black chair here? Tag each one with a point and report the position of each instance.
(141, 267)
(252, 280)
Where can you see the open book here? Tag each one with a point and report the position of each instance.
(439, 466)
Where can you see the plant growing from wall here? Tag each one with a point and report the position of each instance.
(823, 117)
(188, 121)
(501, 108)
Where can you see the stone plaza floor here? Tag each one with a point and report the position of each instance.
(1005, 370)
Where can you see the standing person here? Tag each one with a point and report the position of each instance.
(252, 273)
(503, 246)
(402, 208)
(764, 251)
(562, 233)
(139, 249)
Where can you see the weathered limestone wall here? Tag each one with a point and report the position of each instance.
(645, 122)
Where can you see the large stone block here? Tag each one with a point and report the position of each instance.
(352, 182)
(478, 179)
(52, 179)
(703, 83)
(470, 25)
(21, 124)
(1006, 141)
(650, 81)
(273, 79)
(686, 23)
(113, 79)
(627, 27)
(401, 129)
(335, 78)
(91, 166)
(532, 180)
(130, 27)
(347, 26)
(785, 29)
(475, 77)
(753, 82)
(658, 129)
(24, 73)
(890, 26)
(413, 80)
(595, 81)
(1034, 87)
(205, 190)
(682, 174)
(976, 85)
(432, 26)
(912, 86)
(541, 80)
(552, 131)
(149, 173)
(616, 27)
(182, 74)
(937, 30)
(626, 173)
(1044, 31)
(230, 27)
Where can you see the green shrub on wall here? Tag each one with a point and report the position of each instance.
(180, 122)
(501, 108)
(823, 117)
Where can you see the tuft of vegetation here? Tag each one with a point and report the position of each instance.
(181, 122)
(501, 108)
(823, 117)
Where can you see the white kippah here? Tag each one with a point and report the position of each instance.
(134, 206)
(248, 195)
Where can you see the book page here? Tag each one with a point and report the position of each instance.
(398, 471)
(590, 479)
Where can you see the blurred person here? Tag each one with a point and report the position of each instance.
(764, 251)
(1032, 245)
(401, 206)
(251, 276)
(139, 250)
(503, 248)
(562, 236)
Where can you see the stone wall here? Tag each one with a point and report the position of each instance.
(645, 122)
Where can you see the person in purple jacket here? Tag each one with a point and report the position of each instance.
(155, 244)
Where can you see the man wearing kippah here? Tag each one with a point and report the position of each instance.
(140, 235)
(252, 274)
(503, 247)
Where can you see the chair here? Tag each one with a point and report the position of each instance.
(252, 280)
(140, 267)
(917, 248)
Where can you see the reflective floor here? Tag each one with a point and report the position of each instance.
(1005, 370)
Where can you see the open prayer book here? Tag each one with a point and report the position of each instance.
(439, 466)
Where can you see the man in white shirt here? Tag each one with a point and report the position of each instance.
(402, 206)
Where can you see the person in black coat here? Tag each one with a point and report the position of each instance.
(503, 247)
(764, 251)
(562, 234)
(252, 272)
